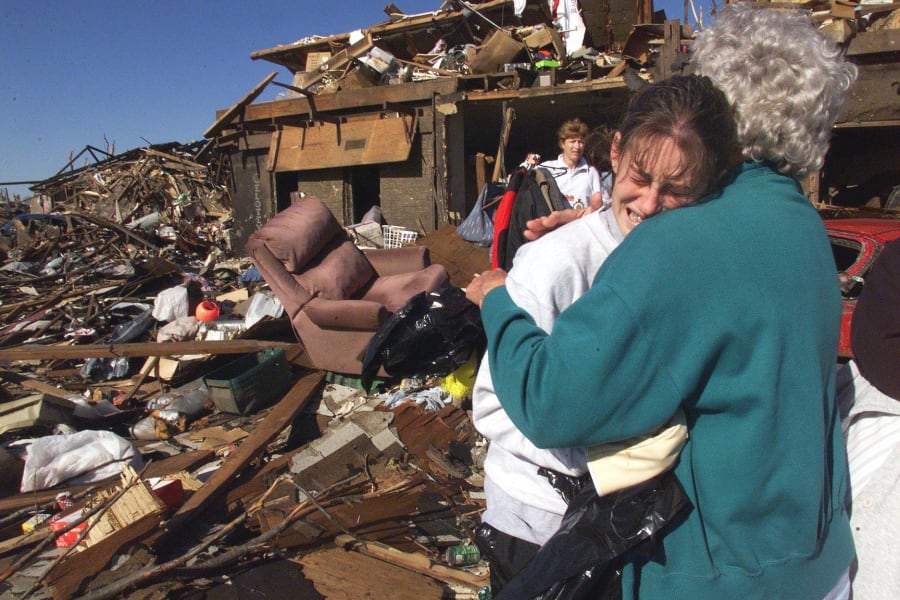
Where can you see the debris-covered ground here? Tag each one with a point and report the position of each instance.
(162, 432)
(149, 453)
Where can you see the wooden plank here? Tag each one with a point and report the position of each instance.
(336, 62)
(184, 461)
(111, 225)
(255, 444)
(873, 97)
(413, 561)
(670, 48)
(364, 142)
(876, 8)
(480, 170)
(870, 42)
(605, 84)
(16, 502)
(341, 575)
(420, 91)
(140, 349)
(238, 106)
(35, 384)
(21, 542)
(273, 150)
(238, 497)
(509, 113)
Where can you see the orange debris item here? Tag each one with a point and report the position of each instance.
(207, 311)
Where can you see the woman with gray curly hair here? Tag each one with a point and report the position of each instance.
(786, 84)
(728, 309)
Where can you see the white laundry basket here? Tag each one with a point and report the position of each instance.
(396, 236)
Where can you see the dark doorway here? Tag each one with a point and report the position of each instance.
(365, 189)
(285, 183)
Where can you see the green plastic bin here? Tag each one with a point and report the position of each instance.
(250, 383)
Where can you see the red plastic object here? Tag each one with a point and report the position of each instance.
(170, 491)
(70, 537)
(207, 311)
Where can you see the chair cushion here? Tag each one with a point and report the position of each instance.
(341, 271)
(394, 291)
(298, 234)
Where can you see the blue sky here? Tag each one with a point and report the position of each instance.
(130, 72)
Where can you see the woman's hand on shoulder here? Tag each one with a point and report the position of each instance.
(536, 228)
(481, 284)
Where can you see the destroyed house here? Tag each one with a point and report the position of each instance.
(422, 144)
(417, 113)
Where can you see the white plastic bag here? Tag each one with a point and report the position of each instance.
(171, 304)
(262, 305)
(82, 457)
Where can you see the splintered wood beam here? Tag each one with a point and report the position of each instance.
(238, 106)
(255, 444)
(412, 561)
(139, 349)
(336, 573)
(310, 97)
(97, 220)
(509, 113)
(338, 61)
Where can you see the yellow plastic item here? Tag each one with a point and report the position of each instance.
(460, 382)
(34, 522)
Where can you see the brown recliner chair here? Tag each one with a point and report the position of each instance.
(335, 295)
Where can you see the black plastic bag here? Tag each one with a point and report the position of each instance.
(435, 333)
(567, 486)
(104, 369)
(583, 559)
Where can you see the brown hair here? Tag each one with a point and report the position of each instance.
(597, 146)
(692, 112)
(571, 129)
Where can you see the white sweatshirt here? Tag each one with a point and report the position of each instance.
(547, 276)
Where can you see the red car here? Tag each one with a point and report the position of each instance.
(856, 243)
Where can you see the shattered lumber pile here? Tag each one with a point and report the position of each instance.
(499, 44)
(145, 451)
(168, 190)
(107, 235)
(392, 497)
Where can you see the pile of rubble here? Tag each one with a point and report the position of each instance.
(533, 43)
(163, 432)
(101, 239)
(469, 39)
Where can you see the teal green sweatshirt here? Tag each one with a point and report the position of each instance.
(730, 309)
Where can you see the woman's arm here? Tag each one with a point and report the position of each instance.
(594, 380)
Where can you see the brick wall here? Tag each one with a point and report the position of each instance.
(328, 186)
(407, 190)
(623, 14)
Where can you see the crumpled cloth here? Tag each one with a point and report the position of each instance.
(433, 399)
